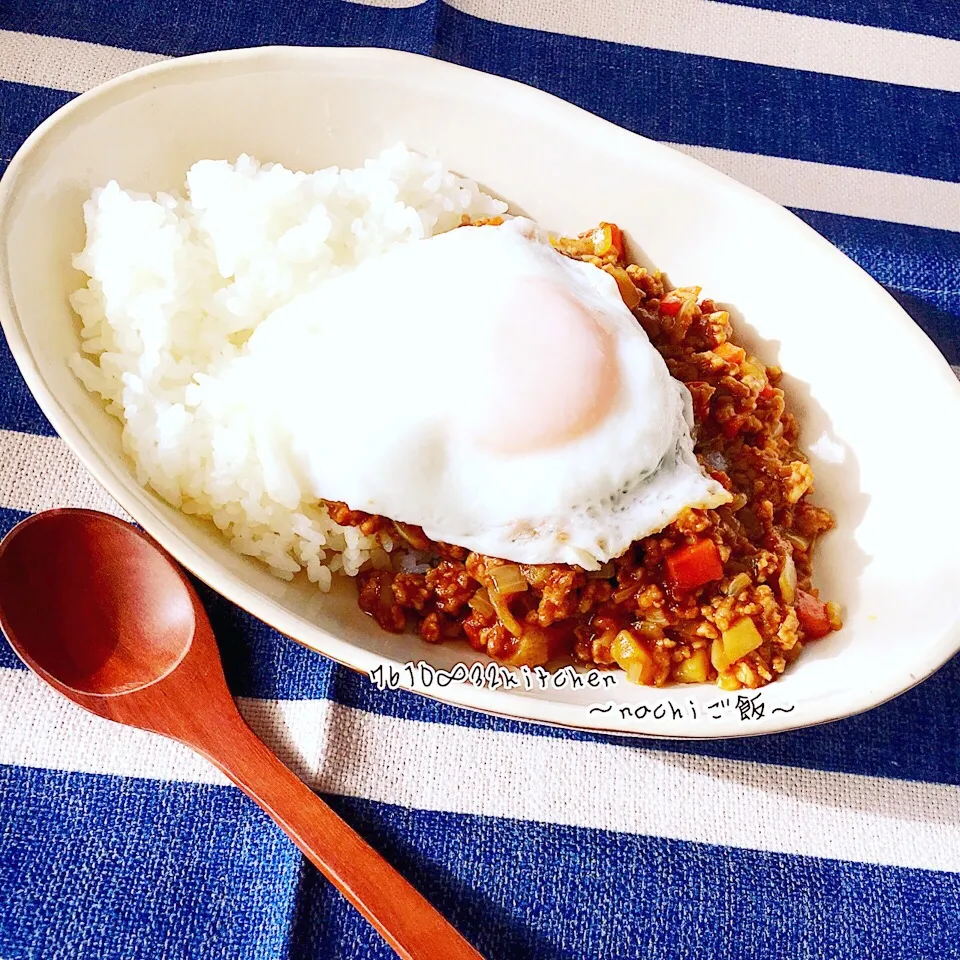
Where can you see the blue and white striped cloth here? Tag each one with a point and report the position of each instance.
(837, 842)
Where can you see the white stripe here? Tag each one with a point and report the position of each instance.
(688, 26)
(388, 4)
(347, 751)
(40, 473)
(734, 32)
(64, 64)
(852, 191)
(898, 198)
(430, 766)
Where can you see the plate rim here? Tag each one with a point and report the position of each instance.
(491, 702)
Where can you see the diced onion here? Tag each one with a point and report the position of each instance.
(628, 292)
(788, 579)
(415, 538)
(738, 584)
(480, 602)
(536, 574)
(604, 573)
(656, 616)
(624, 593)
(504, 613)
(650, 631)
(508, 579)
(754, 374)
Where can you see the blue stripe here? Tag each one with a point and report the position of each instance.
(18, 409)
(920, 266)
(915, 16)
(668, 96)
(23, 108)
(681, 98)
(8, 659)
(177, 27)
(941, 327)
(260, 662)
(96, 867)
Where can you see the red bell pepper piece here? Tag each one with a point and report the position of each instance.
(812, 614)
(609, 237)
(670, 305)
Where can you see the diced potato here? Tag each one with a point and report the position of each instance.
(625, 647)
(532, 649)
(742, 638)
(631, 655)
(835, 615)
(754, 374)
(718, 656)
(693, 669)
(727, 681)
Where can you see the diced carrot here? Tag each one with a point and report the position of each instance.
(694, 565)
(732, 354)
(767, 392)
(812, 614)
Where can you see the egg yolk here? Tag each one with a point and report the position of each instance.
(545, 371)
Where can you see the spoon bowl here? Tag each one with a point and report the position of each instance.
(116, 615)
(105, 616)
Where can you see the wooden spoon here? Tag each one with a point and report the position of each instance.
(105, 616)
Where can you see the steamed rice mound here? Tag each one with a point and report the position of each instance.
(178, 283)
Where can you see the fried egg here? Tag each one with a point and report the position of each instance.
(484, 387)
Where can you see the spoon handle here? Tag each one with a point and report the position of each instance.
(403, 917)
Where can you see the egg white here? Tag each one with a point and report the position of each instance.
(362, 383)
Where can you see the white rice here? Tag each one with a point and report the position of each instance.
(177, 285)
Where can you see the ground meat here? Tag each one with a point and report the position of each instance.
(369, 524)
(411, 591)
(377, 599)
(559, 595)
(450, 585)
(435, 627)
(739, 629)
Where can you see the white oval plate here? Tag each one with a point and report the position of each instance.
(878, 404)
